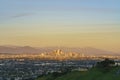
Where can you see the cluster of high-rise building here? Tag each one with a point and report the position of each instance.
(56, 54)
(53, 55)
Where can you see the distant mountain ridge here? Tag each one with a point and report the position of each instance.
(27, 49)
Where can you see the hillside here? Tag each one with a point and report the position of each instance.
(93, 74)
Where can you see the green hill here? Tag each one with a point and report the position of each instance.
(93, 74)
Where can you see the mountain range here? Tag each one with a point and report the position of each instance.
(27, 49)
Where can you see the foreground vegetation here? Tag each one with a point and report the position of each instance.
(105, 71)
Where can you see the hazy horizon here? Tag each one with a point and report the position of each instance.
(73, 23)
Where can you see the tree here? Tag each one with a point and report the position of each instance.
(106, 65)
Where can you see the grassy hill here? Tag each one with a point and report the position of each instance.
(93, 74)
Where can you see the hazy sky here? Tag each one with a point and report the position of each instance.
(73, 23)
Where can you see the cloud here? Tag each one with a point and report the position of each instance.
(21, 15)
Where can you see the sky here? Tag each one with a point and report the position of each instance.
(70, 23)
